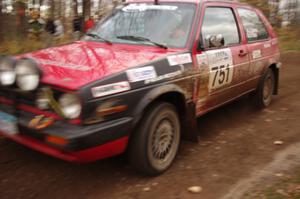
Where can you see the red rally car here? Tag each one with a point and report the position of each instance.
(138, 80)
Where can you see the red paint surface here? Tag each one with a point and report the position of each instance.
(75, 65)
(109, 149)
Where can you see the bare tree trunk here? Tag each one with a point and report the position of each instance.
(62, 10)
(0, 8)
(41, 2)
(20, 21)
(75, 8)
(86, 9)
(52, 9)
(57, 9)
(1, 19)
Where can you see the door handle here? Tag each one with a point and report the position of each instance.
(243, 53)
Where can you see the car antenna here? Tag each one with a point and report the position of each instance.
(156, 2)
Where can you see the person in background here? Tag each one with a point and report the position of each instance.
(77, 27)
(59, 28)
(49, 32)
(50, 27)
(89, 24)
(36, 24)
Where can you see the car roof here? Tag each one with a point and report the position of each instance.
(235, 2)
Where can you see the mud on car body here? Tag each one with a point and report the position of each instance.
(138, 81)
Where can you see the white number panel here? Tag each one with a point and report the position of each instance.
(221, 68)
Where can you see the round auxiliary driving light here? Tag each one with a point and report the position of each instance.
(28, 74)
(7, 71)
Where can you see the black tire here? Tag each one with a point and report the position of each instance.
(264, 94)
(154, 145)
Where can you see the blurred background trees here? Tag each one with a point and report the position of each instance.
(15, 14)
(281, 13)
(285, 18)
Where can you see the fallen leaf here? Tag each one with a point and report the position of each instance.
(147, 189)
(195, 189)
(279, 174)
(278, 142)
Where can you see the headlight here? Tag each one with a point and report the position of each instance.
(28, 75)
(70, 105)
(7, 71)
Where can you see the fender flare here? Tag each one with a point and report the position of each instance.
(152, 95)
(276, 69)
(189, 118)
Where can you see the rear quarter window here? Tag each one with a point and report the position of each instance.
(255, 29)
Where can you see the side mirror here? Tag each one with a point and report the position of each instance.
(214, 41)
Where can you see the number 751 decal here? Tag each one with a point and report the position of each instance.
(220, 75)
(221, 68)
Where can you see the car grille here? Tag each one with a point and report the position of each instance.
(26, 98)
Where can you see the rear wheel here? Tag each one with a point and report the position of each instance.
(264, 93)
(154, 145)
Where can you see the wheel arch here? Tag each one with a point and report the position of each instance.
(174, 95)
(275, 69)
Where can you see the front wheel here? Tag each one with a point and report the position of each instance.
(154, 145)
(264, 93)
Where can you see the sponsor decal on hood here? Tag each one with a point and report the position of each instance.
(179, 59)
(141, 74)
(110, 89)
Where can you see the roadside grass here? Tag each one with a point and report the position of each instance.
(289, 39)
(287, 187)
(29, 44)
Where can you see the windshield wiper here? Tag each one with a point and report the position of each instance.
(138, 38)
(96, 36)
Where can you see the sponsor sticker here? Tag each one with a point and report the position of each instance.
(144, 7)
(179, 59)
(202, 60)
(267, 45)
(252, 33)
(141, 74)
(256, 54)
(110, 89)
(40, 122)
(162, 77)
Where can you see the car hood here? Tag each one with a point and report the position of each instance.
(75, 65)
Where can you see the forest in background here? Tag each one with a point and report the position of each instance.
(15, 14)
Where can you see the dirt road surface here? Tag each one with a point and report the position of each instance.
(236, 145)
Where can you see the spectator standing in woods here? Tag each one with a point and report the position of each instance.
(89, 24)
(59, 29)
(76, 27)
(36, 24)
(49, 30)
(50, 27)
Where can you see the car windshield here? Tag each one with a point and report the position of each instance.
(164, 25)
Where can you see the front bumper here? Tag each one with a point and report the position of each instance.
(84, 143)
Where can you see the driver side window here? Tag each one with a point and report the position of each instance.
(219, 21)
